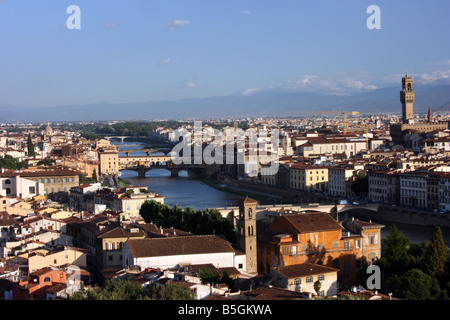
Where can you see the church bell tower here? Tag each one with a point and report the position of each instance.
(407, 97)
(247, 233)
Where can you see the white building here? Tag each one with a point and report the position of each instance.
(384, 186)
(321, 145)
(444, 192)
(301, 278)
(172, 252)
(17, 186)
(337, 178)
(413, 189)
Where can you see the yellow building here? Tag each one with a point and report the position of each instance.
(57, 181)
(132, 199)
(109, 162)
(64, 256)
(302, 277)
(308, 177)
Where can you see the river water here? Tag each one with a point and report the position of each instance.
(189, 191)
(183, 190)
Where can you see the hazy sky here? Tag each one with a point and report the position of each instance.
(143, 50)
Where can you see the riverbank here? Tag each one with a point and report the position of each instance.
(261, 197)
(149, 142)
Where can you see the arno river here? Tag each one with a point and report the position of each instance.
(192, 192)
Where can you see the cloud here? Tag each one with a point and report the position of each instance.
(250, 91)
(178, 23)
(163, 62)
(190, 84)
(110, 24)
(341, 83)
(246, 12)
(424, 77)
(428, 78)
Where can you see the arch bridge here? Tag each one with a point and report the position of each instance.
(335, 209)
(121, 138)
(143, 164)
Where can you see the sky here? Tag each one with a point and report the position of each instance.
(144, 50)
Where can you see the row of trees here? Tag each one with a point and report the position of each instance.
(127, 290)
(415, 271)
(127, 128)
(8, 162)
(208, 221)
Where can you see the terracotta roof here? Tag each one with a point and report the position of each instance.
(264, 293)
(120, 232)
(248, 200)
(56, 288)
(304, 269)
(312, 222)
(154, 247)
(42, 173)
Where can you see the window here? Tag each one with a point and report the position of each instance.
(293, 250)
(47, 279)
(357, 244)
(321, 277)
(346, 245)
(32, 189)
(285, 251)
(309, 279)
(8, 181)
(371, 238)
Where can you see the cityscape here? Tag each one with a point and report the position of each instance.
(226, 188)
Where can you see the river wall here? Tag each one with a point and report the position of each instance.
(385, 212)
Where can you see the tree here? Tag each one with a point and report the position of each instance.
(30, 146)
(317, 285)
(360, 186)
(395, 246)
(208, 221)
(126, 290)
(94, 175)
(206, 275)
(417, 285)
(435, 256)
(45, 162)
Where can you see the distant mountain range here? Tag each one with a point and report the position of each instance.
(272, 103)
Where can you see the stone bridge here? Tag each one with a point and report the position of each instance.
(144, 150)
(267, 211)
(121, 138)
(142, 164)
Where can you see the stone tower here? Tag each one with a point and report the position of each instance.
(407, 98)
(430, 115)
(247, 233)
